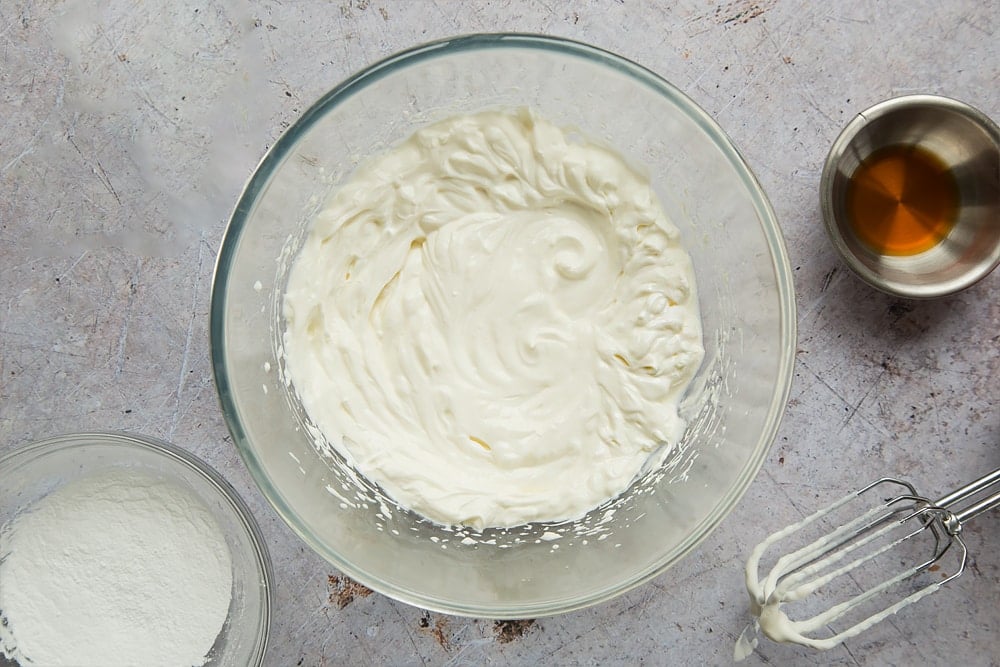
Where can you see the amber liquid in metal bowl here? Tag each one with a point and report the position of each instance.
(902, 200)
(910, 195)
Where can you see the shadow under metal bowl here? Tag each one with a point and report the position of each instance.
(968, 143)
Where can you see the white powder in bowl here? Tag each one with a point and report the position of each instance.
(119, 568)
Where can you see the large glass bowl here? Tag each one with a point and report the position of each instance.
(733, 406)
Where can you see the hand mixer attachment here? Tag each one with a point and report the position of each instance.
(875, 533)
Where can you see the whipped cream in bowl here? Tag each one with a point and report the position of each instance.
(503, 326)
(494, 323)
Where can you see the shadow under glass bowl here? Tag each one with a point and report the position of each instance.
(31, 472)
(744, 287)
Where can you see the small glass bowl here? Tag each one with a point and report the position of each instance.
(32, 472)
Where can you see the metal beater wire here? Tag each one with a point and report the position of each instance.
(805, 570)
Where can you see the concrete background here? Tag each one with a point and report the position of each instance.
(128, 127)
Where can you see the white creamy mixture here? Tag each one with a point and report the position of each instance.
(115, 569)
(494, 322)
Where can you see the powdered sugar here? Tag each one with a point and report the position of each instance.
(119, 568)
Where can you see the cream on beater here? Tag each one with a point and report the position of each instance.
(787, 582)
(494, 322)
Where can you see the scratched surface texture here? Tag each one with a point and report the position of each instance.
(127, 129)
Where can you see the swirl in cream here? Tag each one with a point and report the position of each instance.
(494, 322)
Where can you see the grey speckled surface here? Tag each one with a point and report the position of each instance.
(127, 129)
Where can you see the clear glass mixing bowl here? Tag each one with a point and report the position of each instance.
(733, 406)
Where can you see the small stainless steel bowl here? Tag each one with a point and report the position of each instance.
(969, 144)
